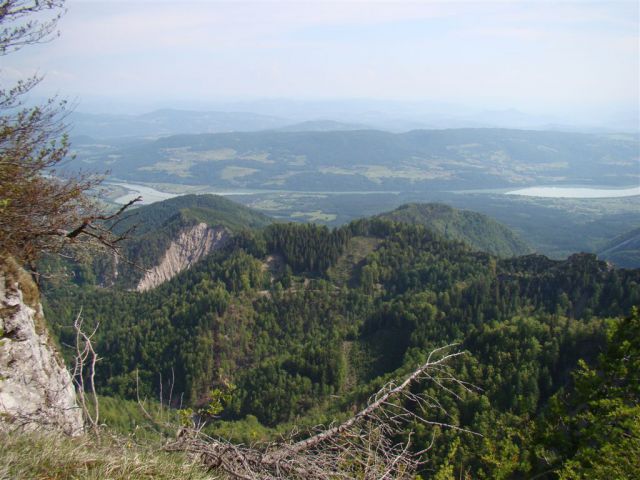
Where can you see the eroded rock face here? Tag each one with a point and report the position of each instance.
(191, 245)
(36, 390)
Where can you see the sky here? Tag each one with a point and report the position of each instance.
(539, 56)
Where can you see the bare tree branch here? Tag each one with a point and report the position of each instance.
(18, 27)
(86, 358)
(364, 446)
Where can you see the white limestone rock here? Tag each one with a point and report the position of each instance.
(191, 246)
(36, 390)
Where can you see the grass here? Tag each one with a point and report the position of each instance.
(46, 456)
(376, 173)
(180, 168)
(315, 216)
(230, 173)
(129, 447)
(347, 265)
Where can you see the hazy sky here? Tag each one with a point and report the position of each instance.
(541, 55)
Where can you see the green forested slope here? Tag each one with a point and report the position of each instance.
(151, 228)
(346, 308)
(479, 231)
(210, 209)
(158, 224)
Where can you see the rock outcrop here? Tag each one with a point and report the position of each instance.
(36, 390)
(191, 245)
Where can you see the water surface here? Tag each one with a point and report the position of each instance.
(576, 192)
(149, 195)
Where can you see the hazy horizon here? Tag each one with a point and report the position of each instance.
(576, 62)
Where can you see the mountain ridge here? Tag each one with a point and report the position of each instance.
(192, 219)
(372, 160)
(479, 231)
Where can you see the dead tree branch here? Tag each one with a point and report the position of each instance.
(85, 366)
(365, 446)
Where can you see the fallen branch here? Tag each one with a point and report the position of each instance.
(364, 446)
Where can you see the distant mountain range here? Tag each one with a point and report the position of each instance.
(167, 122)
(323, 126)
(371, 160)
(246, 117)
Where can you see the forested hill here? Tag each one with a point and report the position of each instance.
(207, 208)
(301, 324)
(157, 225)
(477, 230)
(152, 229)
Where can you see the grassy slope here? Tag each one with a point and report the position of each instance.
(46, 456)
(129, 447)
(347, 265)
(623, 250)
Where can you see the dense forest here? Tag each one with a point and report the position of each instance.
(300, 324)
(291, 334)
(478, 231)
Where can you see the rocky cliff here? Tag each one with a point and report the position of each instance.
(36, 390)
(190, 246)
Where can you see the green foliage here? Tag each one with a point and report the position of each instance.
(307, 247)
(447, 468)
(219, 399)
(479, 231)
(593, 431)
(298, 343)
(209, 209)
(151, 229)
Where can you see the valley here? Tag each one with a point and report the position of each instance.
(369, 160)
(297, 323)
(549, 225)
(334, 177)
(401, 242)
(345, 240)
(271, 281)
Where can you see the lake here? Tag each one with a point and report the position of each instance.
(576, 192)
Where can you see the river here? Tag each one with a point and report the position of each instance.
(149, 195)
